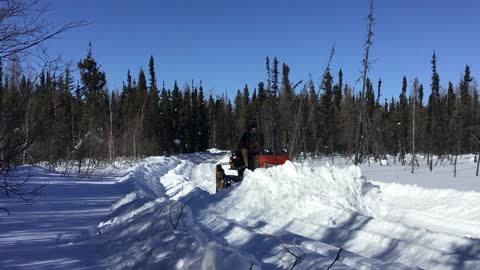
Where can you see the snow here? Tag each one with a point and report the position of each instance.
(163, 213)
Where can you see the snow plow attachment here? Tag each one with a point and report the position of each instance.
(261, 161)
(267, 161)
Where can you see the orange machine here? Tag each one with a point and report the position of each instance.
(266, 161)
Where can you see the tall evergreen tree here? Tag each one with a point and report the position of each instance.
(204, 125)
(195, 122)
(338, 90)
(273, 105)
(153, 112)
(286, 108)
(176, 114)
(240, 119)
(246, 113)
(434, 112)
(465, 112)
(326, 114)
(404, 123)
(451, 100)
(93, 96)
(141, 130)
(186, 117)
(261, 107)
(166, 120)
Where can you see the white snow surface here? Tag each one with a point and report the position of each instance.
(163, 213)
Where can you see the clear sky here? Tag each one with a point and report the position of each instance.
(225, 42)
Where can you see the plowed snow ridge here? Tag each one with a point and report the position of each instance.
(317, 210)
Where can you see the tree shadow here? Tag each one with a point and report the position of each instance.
(32, 237)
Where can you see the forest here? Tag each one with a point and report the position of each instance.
(50, 116)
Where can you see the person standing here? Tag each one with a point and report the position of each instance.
(250, 146)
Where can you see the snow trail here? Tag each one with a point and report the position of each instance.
(379, 225)
(163, 213)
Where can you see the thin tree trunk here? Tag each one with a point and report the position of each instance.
(73, 121)
(413, 127)
(291, 140)
(362, 114)
(215, 131)
(134, 143)
(137, 127)
(110, 139)
(455, 167)
(478, 163)
(26, 131)
(124, 145)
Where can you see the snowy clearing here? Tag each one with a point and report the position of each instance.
(163, 213)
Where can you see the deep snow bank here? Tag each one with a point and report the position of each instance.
(315, 208)
(284, 193)
(338, 206)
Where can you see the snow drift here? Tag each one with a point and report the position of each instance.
(165, 214)
(338, 206)
(297, 213)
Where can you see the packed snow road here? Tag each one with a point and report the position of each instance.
(299, 214)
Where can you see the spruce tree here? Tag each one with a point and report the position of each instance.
(313, 126)
(212, 120)
(204, 125)
(337, 92)
(166, 120)
(93, 96)
(337, 98)
(176, 114)
(93, 80)
(153, 112)
(434, 113)
(238, 115)
(195, 123)
(475, 128)
(186, 123)
(370, 99)
(451, 100)
(151, 71)
(326, 115)
(285, 107)
(465, 112)
(273, 105)
(403, 119)
(245, 114)
(252, 106)
(261, 107)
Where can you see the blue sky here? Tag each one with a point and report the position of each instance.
(225, 42)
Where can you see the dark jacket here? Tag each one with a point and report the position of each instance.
(251, 141)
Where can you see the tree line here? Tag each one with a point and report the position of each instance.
(49, 118)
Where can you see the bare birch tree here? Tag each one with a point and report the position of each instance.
(23, 27)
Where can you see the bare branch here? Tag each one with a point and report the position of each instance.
(6, 210)
(180, 214)
(22, 26)
(336, 258)
(298, 257)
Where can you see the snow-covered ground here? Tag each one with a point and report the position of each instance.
(163, 213)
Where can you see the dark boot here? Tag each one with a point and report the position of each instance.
(219, 174)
